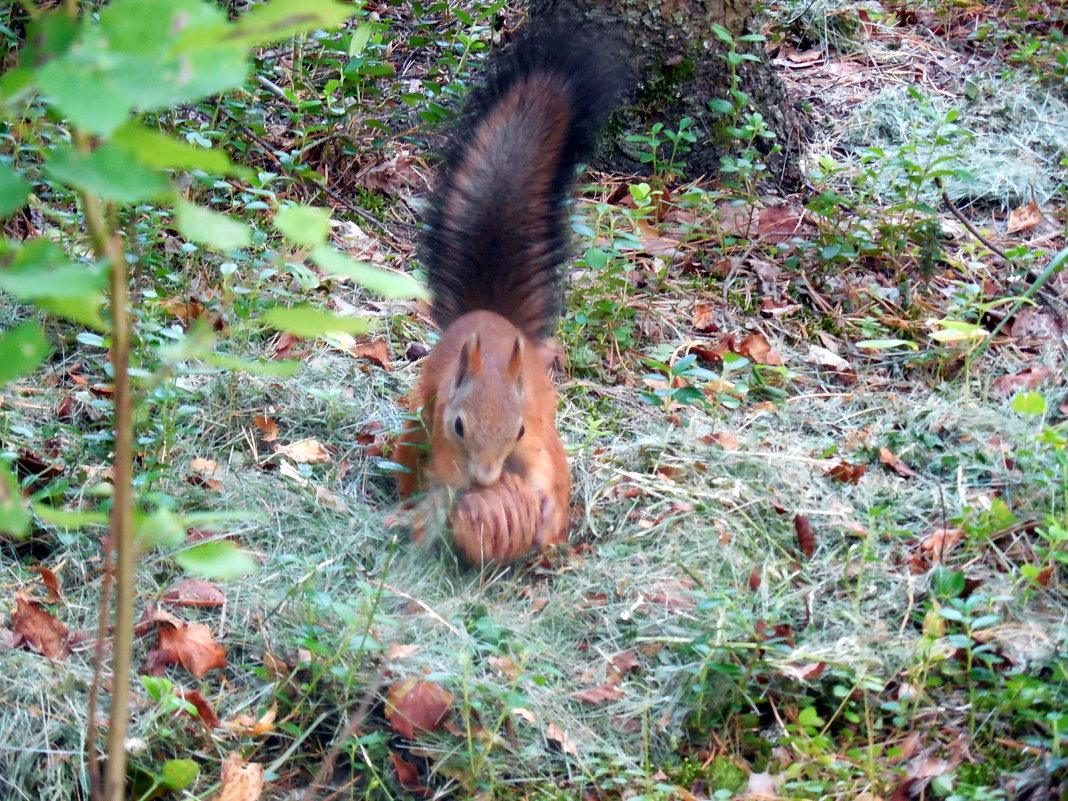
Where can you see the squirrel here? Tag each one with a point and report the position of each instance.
(496, 235)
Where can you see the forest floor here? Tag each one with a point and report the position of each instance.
(820, 521)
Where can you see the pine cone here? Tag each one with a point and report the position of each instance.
(498, 523)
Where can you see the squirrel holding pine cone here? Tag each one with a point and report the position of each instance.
(482, 440)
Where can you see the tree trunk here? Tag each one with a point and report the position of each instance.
(677, 70)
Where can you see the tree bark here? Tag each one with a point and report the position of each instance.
(671, 51)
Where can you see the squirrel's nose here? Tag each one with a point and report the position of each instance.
(486, 475)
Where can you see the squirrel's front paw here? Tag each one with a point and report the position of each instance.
(499, 523)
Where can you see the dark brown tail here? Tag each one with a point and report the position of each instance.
(497, 225)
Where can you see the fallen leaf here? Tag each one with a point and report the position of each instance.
(822, 357)
(847, 473)
(375, 351)
(600, 694)
(190, 645)
(779, 223)
(806, 540)
(268, 427)
(306, 451)
(524, 714)
(756, 348)
(204, 465)
(397, 651)
(408, 776)
(626, 661)
(778, 308)
(39, 630)
(506, 665)
(415, 705)
(806, 672)
(51, 582)
(1024, 218)
(557, 735)
(240, 780)
(754, 579)
(704, 318)
(673, 593)
(246, 724)
(1026, 379)
(204, 710)
(804, 56)
(194, 592)
(941, 541)
(887, 457)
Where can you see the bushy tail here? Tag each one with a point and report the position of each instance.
(498, 227)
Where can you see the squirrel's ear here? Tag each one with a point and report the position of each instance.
(515, 362)
(470, 360)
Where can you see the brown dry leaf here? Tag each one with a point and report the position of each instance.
(246, 724)
(38, 629)
(506, 665)
(673, 593)
(331, 499)
(267, 426)
(1034, 325)
(600, 694)
(51, 582)
(756, 348)
(704, 318)
(941, 540)
(887, 457)
(190, 645)
(847, 473)
(240, 780)
(306, 451)
(821, 357)
(194, 592)
(806, 540)
(1028, 378)
(561, 738)
(1024, 218)
(727, 440)
(397, 651)
(284, 347)
(375, 351)
(524, 714)
(408, 776)
(804, 56)
(778, 308)
(414, 705)
(208, 466)
(204, 710)
(626, 661)
(754, 579)
(806, 672)
(779, 223)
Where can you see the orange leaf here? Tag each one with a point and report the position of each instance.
(887, 457)
(756, 348)
(408, 776)
(240, 780)
(190, 645)
(268, 427)
(39, 630)
(204, 710)
(51, 582)
(414, 705)
(306, 451)
(561, 738)
(599, 694)
(1024, 218)
(704, 318)
(806, 540)
(194, 592)
(1029, 378)
(847, 473)
(375, 351)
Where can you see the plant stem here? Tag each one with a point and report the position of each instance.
(107, 245)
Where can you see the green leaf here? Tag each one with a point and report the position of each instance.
(1032, 403)
(177, 774)
(21, 350)
(210, 228)
(946, 583)
(360, 37)
(304, 321)
(69, 518)
(14, 516)
(41, 274)
(957, 331)
(108, 172)
(160, 528)
(155, 149)
(14, 192)
(282, 19)
(143, 55)
(383, 282)
(286, 368)
(306, 226)
(809, 717)
(886, 344)
(721, 106)
(216, 560)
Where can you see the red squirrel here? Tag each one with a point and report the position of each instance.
(496, 235)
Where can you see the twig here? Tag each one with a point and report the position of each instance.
(971, 228)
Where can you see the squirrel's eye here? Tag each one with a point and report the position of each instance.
(522, 431)
(458, 427)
